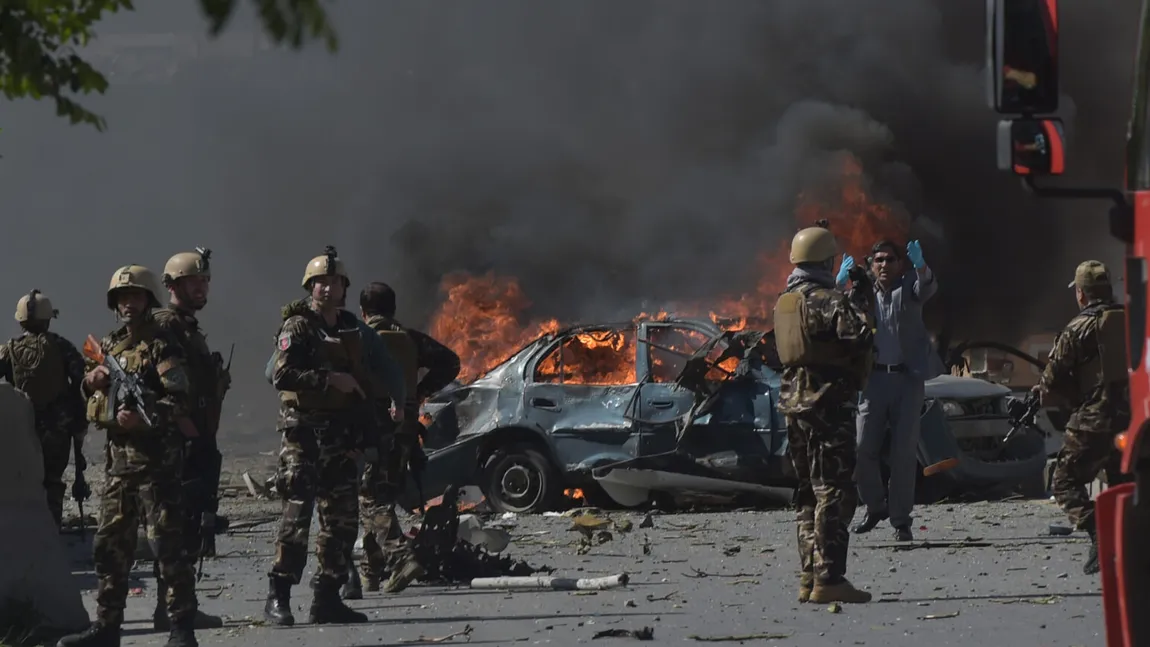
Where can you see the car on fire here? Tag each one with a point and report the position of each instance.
(669, 407)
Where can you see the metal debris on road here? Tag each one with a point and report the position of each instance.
(646, 633)
(465, 633)
(735, 639)
(553, 583)
(940, 616)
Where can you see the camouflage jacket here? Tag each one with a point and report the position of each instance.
(163, 371)
(835, 318)
(66, 412)
(207, 377)
(441, 363)
(1096, 407)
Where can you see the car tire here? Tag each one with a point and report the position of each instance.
(519, 478)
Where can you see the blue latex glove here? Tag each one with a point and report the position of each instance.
(848, 263)
(914, 253)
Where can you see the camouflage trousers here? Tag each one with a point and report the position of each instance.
(822, 449)
(384, 545)
(1084, 454)
(316, 469)
(56, 445)
(155, 495)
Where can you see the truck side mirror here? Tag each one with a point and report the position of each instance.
(1032, 146)
(1022, 56)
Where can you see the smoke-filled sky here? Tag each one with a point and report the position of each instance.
(606, 153)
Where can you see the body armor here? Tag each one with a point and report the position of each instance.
(132, 354)
(38, 368)
(402, 348)
(799, 346)
(1110, 330)
(343, 353)
(205, 372)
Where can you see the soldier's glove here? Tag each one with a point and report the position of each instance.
(844, 270)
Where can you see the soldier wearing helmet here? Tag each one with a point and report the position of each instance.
(826, 347)
(326, 385)
(49, 370)
(1087, 373)
(187, 277)
(145, 417)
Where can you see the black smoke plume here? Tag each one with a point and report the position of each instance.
(606, 153)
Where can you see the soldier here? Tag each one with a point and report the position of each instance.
(384, 546)
(826, 346)
(187, 276)
(1087, 373)
(146, 429)
(325, 388)
(49, 370)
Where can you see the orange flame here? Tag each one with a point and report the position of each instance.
(483, 317)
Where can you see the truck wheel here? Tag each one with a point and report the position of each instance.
(519, 478)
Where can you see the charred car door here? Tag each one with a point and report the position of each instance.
(579, 390)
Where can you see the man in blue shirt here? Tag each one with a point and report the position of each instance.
(894, 393)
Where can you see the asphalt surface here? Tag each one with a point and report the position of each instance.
(993, 573)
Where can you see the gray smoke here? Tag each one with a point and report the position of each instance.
(608, 154)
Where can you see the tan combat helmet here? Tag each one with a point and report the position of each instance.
(188, 264)
(813, 245)
(34, 306)
(134, 276)
(326, 265)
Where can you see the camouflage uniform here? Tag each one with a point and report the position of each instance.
(1086, 371)
(142, 475)
(384, 545)
(208, 382)
(49, 370)
(826, 346)
(322, 428)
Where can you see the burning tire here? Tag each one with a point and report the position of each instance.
(520, 478)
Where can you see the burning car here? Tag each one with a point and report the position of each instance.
(673, 406)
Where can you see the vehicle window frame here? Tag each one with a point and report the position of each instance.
(532, 368)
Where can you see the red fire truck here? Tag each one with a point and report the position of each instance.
(1022, 60)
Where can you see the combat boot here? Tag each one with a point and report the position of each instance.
(327, 608)
(160, 620)
(371, 582)
(278, 608)
(843, 591)
(182, 635)
(408, 572)
(806, 583)
(1091, 566)
(96, 635)
(353, 590)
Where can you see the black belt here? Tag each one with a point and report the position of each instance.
(890, 368)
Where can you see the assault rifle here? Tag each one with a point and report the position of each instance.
(80, 490)
(125, 390)
(1022, 415)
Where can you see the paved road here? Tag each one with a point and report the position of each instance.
(1015, 585)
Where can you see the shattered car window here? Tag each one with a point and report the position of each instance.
(671, 346)
(604, 357)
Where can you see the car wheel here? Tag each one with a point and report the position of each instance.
(520, 479)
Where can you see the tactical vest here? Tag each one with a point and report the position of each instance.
(133, 356)
(205, 377)
(1110, 366)
(402, 348)
(38, 368)
(799, 345)
(343, 353)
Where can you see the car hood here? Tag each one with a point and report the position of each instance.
(952, 387)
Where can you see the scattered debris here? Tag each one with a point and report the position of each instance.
(466, 633)
(646, 633)
(647, 522)
(735, 639)
(835, 607)
(701, 574)
(257, 490)
(940, 616)
(554, 583)
(651, 598)
(1057, 530)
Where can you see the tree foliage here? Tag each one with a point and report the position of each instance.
(39, 40)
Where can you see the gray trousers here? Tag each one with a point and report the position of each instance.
(891, 402)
